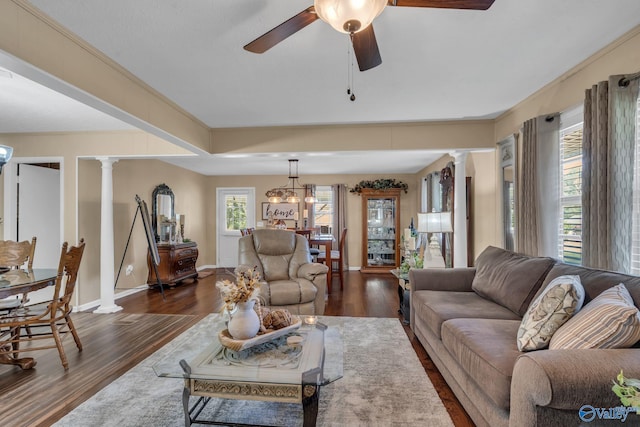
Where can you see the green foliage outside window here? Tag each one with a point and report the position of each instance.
(236, 212)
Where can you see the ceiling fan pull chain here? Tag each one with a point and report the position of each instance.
(350, 90)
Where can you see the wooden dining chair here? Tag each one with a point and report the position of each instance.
(337, 256)
(246, 231)
(48, 320)
(17, 254)
(14, 255)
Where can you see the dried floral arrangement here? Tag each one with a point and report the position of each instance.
(380, 184)
(246, 287)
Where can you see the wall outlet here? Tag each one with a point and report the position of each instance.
(129, 270)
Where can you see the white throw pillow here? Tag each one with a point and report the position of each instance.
(561, 299)
(611, 320)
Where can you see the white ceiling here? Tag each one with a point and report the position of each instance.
(26, 106)
(438, 64)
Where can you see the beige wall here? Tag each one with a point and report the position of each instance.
(31, 36)
(131, 178)
(567, 91)
(481, 167)
(35, 40)
(406, 136)
(72, 147)
(408, 206)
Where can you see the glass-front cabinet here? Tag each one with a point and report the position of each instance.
(381, 227)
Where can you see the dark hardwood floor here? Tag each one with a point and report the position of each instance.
(117, 342)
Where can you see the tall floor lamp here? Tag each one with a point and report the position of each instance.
(434, 222)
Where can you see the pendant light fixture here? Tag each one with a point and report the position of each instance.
(288, 192)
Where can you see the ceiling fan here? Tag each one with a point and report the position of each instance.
(353, 17)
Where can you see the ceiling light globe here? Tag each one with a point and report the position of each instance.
(275, 199)
(349, 16)
(309, 199)
(293, 199)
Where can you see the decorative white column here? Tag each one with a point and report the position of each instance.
(460, 210)
(107, 276)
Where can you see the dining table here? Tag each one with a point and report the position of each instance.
(20, 282)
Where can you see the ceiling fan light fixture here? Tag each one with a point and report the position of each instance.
(349, 16)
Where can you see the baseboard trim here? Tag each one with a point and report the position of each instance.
(93, 304)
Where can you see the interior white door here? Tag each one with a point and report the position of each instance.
(39, 216)
(236, 210)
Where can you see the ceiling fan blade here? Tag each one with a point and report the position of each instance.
(447, 4)
(365, 48)
(282, 31)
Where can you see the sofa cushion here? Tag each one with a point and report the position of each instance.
(596, 281)
(611, 320)
(486, 350)
(561, 299)
(288, 292)
(509, 279)
(436, 307)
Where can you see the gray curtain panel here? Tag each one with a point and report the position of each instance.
(526, 189)
(537, 191)
(340, 192)
(607, 174)
(310, 190)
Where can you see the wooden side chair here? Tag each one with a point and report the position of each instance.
(246, 231)
(14, 255)
(48, 320)
(337, 256)
(17, 254)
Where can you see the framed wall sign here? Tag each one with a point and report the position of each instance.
(279, 210)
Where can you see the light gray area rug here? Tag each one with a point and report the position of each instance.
(384, 384)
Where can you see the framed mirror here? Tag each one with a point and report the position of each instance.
(163, 213)
(507, 152)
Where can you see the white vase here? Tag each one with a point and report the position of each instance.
(244, 322)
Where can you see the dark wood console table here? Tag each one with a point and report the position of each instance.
(177, 263)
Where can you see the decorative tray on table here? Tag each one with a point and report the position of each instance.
(238, 345)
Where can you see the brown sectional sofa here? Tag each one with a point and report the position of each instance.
(468, 318)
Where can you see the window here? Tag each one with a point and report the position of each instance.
(235, 211)
(323, 209)
(570, 221)
(635, 233)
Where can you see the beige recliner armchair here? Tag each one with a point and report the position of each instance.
(291, 280)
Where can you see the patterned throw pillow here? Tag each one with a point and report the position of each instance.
(611, 320)
(560, 300)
